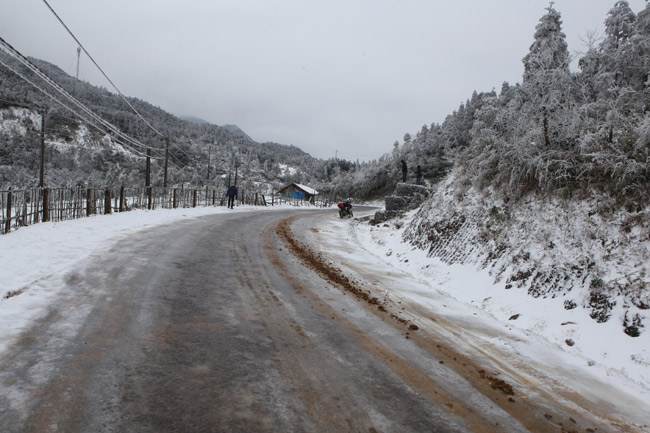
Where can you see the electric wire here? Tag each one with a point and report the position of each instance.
(22, 59)
(100, 69)
(19, 74)
(80, 116)
(107, 126)
(107, 78)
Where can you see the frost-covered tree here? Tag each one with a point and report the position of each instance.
(548, 90)
(549, 51)
(619, 57)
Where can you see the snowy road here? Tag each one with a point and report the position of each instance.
(214, 324)
(223, 332)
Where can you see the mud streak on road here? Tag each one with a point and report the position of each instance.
(500, 392)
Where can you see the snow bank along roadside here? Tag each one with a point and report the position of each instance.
(35, 259)
(587, 250)
(574, 271)
(602, 362)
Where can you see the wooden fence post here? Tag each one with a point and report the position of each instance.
(256, 199)
(175, 199)
(107, 202)
(194, 201)
(149, 197)
(122, 198)
(46, 204)
(214, 197)
(8, 223)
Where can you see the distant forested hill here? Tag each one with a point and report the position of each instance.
(78, 153)
(237, 130)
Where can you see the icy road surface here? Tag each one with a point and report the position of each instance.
(236, 322)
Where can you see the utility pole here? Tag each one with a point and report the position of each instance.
(148, 188)
(78, 58)
(209, 154)
(41, 182)
(147, 174)
(166, 160)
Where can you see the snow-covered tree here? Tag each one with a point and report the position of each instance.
(548, 90)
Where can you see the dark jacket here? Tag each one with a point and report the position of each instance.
(232, 191)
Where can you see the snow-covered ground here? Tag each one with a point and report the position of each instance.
(602, 363)
(537, 337)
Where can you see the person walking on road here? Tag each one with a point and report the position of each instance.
(232, 195)
(404, 170)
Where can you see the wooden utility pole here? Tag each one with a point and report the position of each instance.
(147, 174)
(209, 155)
(46, 204)
(41, 182)
(89, 202)
(107, 202)
(148, 181)
(122, 198)
(166, 161)
(78, 57)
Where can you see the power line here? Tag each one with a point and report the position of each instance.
(179, 163)
(22, 59)
(15, 71)
(80, 116)
(85, 119)
(81, 46)
(101, 70)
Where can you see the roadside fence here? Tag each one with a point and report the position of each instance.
(30, 206)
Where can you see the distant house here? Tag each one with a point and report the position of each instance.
(299, 192)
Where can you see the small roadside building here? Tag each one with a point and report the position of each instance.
(297, 191)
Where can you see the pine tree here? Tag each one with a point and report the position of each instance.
(618, 54)
(548, 89)
(549, 51)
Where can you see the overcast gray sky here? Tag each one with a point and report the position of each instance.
(325, 75)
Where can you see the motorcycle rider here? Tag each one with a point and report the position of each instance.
(345, 208)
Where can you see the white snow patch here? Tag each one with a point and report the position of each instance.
(287, 170)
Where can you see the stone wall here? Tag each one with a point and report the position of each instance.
(406, 196)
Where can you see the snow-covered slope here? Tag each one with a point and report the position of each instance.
(587, 253)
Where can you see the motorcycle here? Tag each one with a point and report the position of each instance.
(345, 209)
